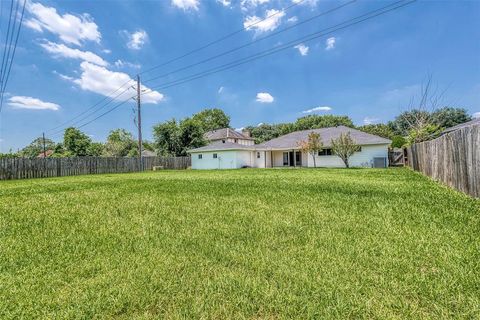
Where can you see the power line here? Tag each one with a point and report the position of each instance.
(222, 38)
(251, 42)
(176, 59)
(288, 45)
(13, 56)
(367, 16)
(110, 97)
(212, 58)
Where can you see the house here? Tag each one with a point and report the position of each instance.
(148, 153)
(230, 135)
(284, 151)
(47, 153)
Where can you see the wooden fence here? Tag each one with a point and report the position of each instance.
(453, 159)
(23, 168)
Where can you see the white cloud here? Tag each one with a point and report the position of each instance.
(476, 115)
(270, 24)
(303, 49)
(369, 120)
(186, 4)
(264, 97)
(260, 124)
(103, 81)
(125, 64)
(22, 102)
(61, 50)
(220, 90)
(225, 3)
(292, 19)
(330, 43)
(317, 109)
(107, 51)
(136, 39)
(305, 2)
(245, 4)
(70, 28)
(63, 76)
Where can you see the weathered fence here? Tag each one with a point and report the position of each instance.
(453, 159)
(23, 168)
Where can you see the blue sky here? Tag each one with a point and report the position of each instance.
(71, 54)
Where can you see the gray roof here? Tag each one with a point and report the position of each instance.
(475, 121)
(291, 140)
(219, 146)
(224, 133)
(148, 153)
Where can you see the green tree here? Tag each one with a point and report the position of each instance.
(212, 119)
(120, 143)
(312, 145)
(36, 147)
(380, 129)
(76, 142)
(344, 147)
(166, 137)
(95, 149)
(424, 133)
(398, 141)
(191, 135)
(315, 121)
(407, 120)
(447, 117)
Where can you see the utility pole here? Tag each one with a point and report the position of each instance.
(139, 119)
(44, 149)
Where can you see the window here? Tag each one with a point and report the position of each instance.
(223, 141)
(285, 158)
(215, 156)
(236, 140)
(258, 155)
(200, 156)
(325, 152)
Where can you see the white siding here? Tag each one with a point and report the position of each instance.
(363, 158)
(230, 159)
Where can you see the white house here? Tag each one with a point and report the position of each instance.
(284, 151)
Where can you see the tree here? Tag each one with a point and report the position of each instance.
(36, 147)
(447, 117)
(167, 138)
(424, 133)
(380, 129)
(398, 141)
(312, 145)
(119, 143)
(407, 120)
(315, 121)
(76, 142)
(344, 147)
(212, 119)
(191, 135)
(95, 149)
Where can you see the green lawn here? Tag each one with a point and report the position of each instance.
(306, 243)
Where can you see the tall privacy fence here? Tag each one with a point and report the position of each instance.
(453, 159)
(23, 168)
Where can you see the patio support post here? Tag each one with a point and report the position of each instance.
(294, 158)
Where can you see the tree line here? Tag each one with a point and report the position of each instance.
(174, 137)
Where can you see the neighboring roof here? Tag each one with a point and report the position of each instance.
(224, 133)
(47, 152)
(475, 121)
(219, 146)
(148, 153)
(291, 140)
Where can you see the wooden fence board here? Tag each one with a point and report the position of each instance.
(23, 168)
(453, 158)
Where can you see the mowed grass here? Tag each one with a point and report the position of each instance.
(261, 244)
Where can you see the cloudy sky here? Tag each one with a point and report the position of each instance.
(73, 55)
